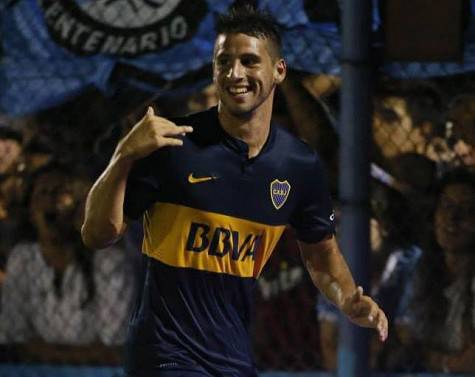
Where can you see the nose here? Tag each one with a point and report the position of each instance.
(235, 70)
(453, 215)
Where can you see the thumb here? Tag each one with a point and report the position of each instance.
(150, 111)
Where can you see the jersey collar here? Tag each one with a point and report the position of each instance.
(238, 146)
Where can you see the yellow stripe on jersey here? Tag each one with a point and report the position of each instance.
(181, 236)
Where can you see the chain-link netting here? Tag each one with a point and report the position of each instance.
(75, 76)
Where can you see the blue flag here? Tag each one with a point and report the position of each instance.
(52, 50)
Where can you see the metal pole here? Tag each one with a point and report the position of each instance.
(353, 349)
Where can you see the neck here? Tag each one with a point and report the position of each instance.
(252, 128)
(456, 263)
(58, 255)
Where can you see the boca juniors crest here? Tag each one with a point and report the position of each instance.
(279, 192)
(122, 27)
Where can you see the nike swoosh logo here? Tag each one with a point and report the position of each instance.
(192, 179)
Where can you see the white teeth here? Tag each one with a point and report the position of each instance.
(238, 90)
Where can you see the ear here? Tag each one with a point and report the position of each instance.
(280, 71)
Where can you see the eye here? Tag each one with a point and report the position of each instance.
(389, 115)
(249, 60)
(222, 61)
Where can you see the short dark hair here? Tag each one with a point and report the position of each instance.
(424, 101)
(459, 175)
(248, 20)
(9, 133)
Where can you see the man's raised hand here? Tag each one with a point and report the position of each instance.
(149, 134)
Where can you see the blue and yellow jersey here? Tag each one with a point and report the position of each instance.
(212, 217)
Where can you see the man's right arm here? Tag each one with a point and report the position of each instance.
(104, 216)
(104, 221)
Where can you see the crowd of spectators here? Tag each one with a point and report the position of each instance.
(62, 303)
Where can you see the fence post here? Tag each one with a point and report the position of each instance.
(353, 349)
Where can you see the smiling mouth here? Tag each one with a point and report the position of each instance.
(237, 91)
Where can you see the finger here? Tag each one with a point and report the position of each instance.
(384, 327)
(186, 129)
(172, 130)
(172, 142)
(373, 313)
(146, 115)
(150, 111)
(357, 294)
(160, 123)
(381, 325)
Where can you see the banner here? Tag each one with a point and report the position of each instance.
(52, 50)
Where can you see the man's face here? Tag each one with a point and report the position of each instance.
(455, 218)
(394, 132)
(56, 203)
(245, 72)
(9, 154)
(465, 152)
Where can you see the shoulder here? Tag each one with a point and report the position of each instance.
(198, 118)
(302, 163)
(290, 146)
(204, 123)
(206, 128)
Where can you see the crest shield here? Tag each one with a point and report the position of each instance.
(279, 192)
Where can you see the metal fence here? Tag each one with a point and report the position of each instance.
(76, 75)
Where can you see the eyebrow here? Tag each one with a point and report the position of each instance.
(251, 55)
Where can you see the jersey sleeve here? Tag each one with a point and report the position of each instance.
(142, 185)
(314, 218)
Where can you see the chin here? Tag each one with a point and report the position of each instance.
(241, 113)
(240, 110)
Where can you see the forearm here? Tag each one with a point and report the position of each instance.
(312, 120)
(333, 278)
(104, 219)
(329, 272)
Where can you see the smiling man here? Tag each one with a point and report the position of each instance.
(215, 191)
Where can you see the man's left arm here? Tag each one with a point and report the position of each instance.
(331, 275)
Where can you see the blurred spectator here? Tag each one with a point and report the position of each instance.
(415, 176)
(285, 284)
(393, 243)
(27, 156)
(461, 128)
(395, 261)
(313, 122)
(407, 117)
(202, 100)
(10, 166)
(61, 302)
(10, 148)
(436, 320)
(388, 207)
(321, 85)
(414, 171)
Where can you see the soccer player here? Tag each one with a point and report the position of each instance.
(216, 190)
